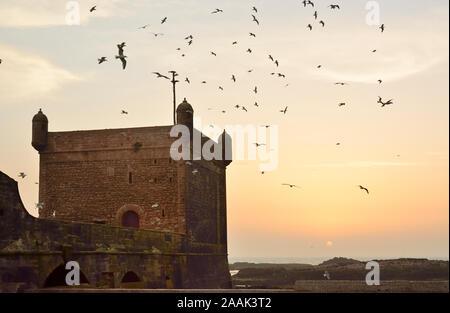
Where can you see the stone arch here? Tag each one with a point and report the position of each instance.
(129, 208)
(57, 278)
(131, 280)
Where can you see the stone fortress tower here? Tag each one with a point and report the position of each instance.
(113, 179)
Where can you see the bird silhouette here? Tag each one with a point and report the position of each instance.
(255, 19)
(291, 185)
(382, 27)
(233, 78)
(157, 34)
(334, 6)
(101, 60)
(384, 103)
(271, 58)
(256, 104)
(277, 63)
(122, 58)
(164, 20)
(217, 11)
(363, 188)
(322, 23)
(255, 9)
(284, 110)
(340, 83)
(93, 9)
(315, 15)
(380, 81)
(144, 26)
(341, 104)
(124, 112)
(310, 3)
(309, 26)
(252, 35)
(190, 42)
(189, 37)
(159, 75)
(255, 90)
(249, 50)
(234, 43)
(244, 109)
(259, 144)
(22, 175)
(213, 53)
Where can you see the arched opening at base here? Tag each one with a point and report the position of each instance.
(131, 280)
(130, 219)
(57, 278)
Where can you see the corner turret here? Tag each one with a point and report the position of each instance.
(39, 131)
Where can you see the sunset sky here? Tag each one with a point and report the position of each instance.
(399, 152)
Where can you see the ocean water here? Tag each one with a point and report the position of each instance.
(312, 260)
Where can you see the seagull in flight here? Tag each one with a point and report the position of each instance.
(101, 60)
(322, 23)
(157, 34)
(271, 58)
(252, 35)
(22, 175)
(159, 75)
(144, 27)
(379, 81)
(217, 11)
(234, 43)
(233, 78)
(382, 27)
(276, 63)
(315, 15)
(93, 9)
(259, 144)
(363, 188)
(291, 185)
(40, 205)
(189, 37)
(255, 19)
(187, 80)
(255, 9)
(284, 111)
(213, 53)
(334, 6)
(340, 83)
(309, 26)
(342, 104)
(255, 90)
(244, 109)
(163, 20)
(124, 112)
(249, 50)
(384, 103)
(327, 275)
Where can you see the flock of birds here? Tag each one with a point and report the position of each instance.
(190, 40)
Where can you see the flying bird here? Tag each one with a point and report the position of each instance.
(93, 9)
(189, 37)
(334, 6)
(363, 188)
(101, 60)
(341, 104)
(22, 175)
(234, 43)
(233, 78)
(255, 19)
(319, 66)
(382, 27)
(221, 88)
(327, 275)
(322, 23)
(157, 34)
(252, 35)
(213, 53)
(340, 83)
(309, 26)
(284, 111)
(124, 112)
(255, 90)
(374, 50)
(163, 20)
(159, 75)
(384, 103)
(315, 15)
(291, 185)
(255, 9)
(380, 81)
(40, 205)
(249, 50)
(187, 80)
(144, 27)
(244, 109)
(276, 63)
(310, 2)
(190, 42)
(256, 104)
(259, 144)
(217, 11)
(271, 58)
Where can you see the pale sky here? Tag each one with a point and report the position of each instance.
(399, 152)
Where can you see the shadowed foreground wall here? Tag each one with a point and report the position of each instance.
(31, 249)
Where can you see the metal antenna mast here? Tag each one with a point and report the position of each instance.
(174, 81)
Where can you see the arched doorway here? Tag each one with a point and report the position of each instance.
(130, 219)
(57, 278)
(131, 280)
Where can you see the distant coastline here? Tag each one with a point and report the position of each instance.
(315, 260)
